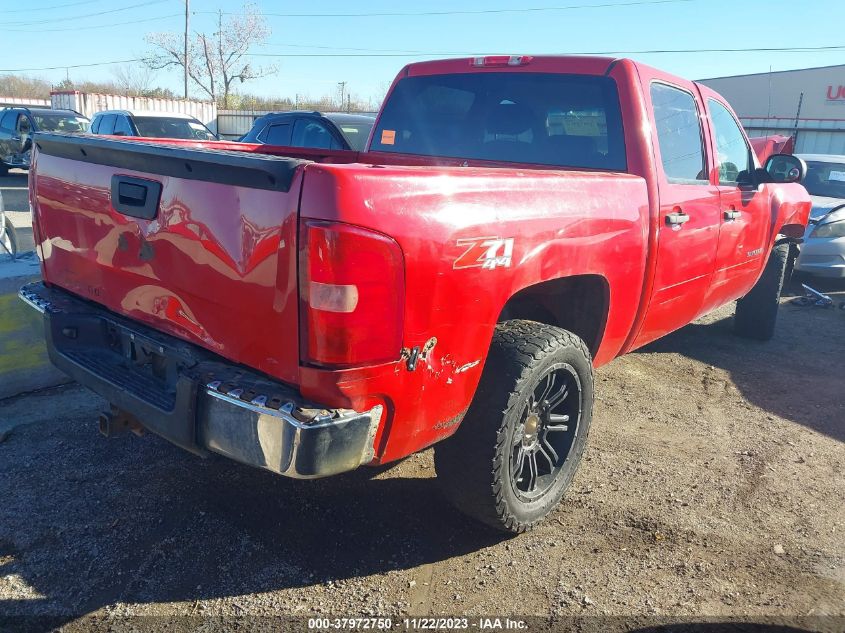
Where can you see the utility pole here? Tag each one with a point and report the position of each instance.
(797, 120)
(187, 14)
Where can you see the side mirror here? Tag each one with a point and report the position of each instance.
(27, 144)
(785, 168)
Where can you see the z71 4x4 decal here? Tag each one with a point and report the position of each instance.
(485, 252)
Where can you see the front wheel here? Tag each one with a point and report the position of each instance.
(757, 312)
(522, 439)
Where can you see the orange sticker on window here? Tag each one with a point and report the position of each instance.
(388, 137)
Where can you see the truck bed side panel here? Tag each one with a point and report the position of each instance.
(561, 223)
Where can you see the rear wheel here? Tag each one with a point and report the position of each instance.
(757, 312)
(522, 439)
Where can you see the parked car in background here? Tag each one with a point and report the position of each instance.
(151, 124)
(8, 238)
(17, 126)
(312, 129)
(823, 250)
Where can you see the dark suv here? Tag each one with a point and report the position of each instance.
(18, 124)
(312, 129)
(150, 124)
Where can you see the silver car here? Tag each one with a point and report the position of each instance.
(823, 250)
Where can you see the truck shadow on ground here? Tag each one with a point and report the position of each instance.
(131, 520)
(797, 376)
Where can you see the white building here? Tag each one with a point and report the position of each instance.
(808, 103)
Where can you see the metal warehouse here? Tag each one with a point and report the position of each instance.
(808, 103)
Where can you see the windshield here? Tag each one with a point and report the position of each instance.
(825, 179)
(356, 133)
(166, 127)
(60, 123)
(546, 119)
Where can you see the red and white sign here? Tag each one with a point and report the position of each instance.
(836, 93)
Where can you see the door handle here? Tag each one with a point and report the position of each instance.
(676, 218)
(732, 214)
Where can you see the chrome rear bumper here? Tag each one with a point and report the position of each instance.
(198, 400)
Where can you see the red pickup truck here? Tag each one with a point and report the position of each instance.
(515, 222)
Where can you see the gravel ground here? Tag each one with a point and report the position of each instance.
(712, 487)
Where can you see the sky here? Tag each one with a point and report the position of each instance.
(316, 51)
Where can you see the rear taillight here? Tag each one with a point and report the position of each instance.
(352, 289)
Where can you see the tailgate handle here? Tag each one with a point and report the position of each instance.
(135, 197)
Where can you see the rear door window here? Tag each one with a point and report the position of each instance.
(537, 118)
(309, 133)
(679, 134)
(121, 125)
(276, 134)
(107, 124)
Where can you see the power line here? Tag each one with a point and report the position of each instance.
(790, 49)
(87, 15)
(23, 70)
(94, 27)
(373, 50)
(55, 6)
(465, 12)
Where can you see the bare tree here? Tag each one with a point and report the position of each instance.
(134, 80)
(216, 60)
(16, 86)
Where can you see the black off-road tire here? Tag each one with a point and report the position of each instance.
(757, 312)
(475, 466)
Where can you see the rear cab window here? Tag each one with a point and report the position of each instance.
(561, 120)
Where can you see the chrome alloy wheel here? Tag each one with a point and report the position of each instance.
(543, 440)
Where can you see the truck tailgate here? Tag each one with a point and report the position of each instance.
(199, 244)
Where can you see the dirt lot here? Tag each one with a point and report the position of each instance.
(712, 486)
